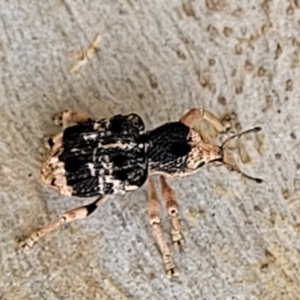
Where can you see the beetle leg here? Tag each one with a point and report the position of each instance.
(66, 119)
(69, 216)
(154, 219)
(196, 114)
(169, 196)
(69, 117)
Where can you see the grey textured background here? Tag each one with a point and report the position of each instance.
(158, 59)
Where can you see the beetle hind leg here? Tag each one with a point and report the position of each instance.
(69, 118)
(69, 216)
(169, 196)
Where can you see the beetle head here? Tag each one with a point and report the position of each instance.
(222, 157)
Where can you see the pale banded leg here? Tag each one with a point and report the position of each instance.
(196, 114)
(154, 219)
(69, 117)
(69, 216)
(169, 196)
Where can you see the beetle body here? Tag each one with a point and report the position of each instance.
(115, 156)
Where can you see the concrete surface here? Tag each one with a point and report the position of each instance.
(157, 58)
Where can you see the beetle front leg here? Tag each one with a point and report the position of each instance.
(69, 216)
(196, 114)
(69, 118)
(169, 196)
(154, 219)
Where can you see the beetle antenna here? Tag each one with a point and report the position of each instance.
(235, 168)
(238, 135)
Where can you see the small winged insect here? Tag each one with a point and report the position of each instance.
(84, 56)
(90, 158)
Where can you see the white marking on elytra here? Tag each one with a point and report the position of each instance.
(91, 136)
(92, 169)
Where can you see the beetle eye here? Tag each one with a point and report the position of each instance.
(202, 163)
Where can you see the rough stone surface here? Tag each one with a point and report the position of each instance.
(158, 59)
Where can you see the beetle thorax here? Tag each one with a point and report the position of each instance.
(177, 150)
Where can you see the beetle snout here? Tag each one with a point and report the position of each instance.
(216, 153)
(221, 152)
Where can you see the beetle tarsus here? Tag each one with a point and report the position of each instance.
(171, 269)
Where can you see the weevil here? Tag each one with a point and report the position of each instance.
(91, 158)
